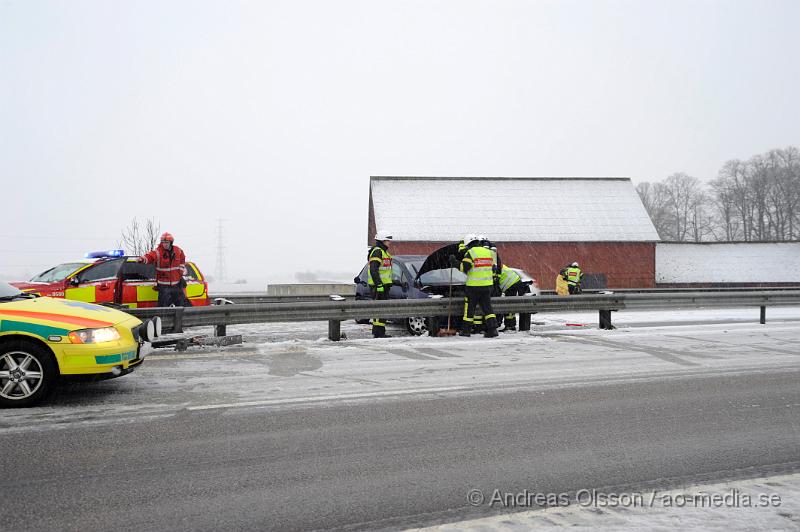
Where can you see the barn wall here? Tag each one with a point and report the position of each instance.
(731, 263)
(625, 264)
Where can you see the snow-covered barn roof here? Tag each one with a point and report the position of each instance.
(536, 209)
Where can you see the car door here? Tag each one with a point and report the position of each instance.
(195, 285)
(138, 284)
(398, 277)
(96, 284)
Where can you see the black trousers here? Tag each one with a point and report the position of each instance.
(479, 296)
(516, 289)
(172, 295)
(379, 324)
(574, 288)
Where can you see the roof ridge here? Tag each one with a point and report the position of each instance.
(508, 178)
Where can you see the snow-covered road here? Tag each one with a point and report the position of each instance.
(282, 366)
(292, 431)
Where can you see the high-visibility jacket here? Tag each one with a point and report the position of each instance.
(481, 261)
(573, 275)
(508, 278)
(384, 260)
(170, 264)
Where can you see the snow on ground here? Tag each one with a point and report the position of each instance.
(767, 503)
(566, 321)
(296, 361)
(283, 365)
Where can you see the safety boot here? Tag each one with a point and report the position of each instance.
(379, 332)
(510, 324)
(491, 328)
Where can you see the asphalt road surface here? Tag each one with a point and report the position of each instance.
(681, 406)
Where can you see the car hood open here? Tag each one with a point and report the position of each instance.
(439, 259)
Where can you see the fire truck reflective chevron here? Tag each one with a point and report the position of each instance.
(85, 293)
(146, 293)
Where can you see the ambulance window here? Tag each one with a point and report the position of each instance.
(105, 270)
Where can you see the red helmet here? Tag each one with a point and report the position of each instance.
(167, 237)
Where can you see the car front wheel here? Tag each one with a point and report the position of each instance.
(27, 373)
(417, 326)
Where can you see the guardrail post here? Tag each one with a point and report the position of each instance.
(433, 326)
(177, 324)
(334, 330)
(221, 329)
(763, 314)
(524, 321)
(605, 320)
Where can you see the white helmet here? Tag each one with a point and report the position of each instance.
(470, 237)
(383, 235)
(481, 237)
(574, 264)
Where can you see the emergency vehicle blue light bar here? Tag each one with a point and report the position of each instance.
(104, 254)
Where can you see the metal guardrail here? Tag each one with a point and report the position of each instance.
(263, 297)
(175, 319)
(246, 298)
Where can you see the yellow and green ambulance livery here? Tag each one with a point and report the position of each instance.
(43, 339)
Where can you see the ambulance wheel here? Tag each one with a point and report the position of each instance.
(27, 373)
(417, 326)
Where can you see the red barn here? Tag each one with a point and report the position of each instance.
(540, 224)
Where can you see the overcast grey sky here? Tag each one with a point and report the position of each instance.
(273, 115)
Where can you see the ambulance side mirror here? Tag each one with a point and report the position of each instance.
(74, 281)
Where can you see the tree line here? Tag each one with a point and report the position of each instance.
(753, 200)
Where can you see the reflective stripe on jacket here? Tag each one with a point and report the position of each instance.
(508, 278)
(170, 264)
(480, 274)
(574, 275)
(384, 268)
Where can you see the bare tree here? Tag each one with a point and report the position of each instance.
(722, 199)
(785, 191)
(654, 200)
(732, 198)
(137, 239)
(757, 199)
(685, 206)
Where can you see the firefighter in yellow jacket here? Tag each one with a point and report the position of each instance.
(511, 284)
(573, 275)
(380, 277)
(478, 264)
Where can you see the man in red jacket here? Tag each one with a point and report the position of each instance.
(170, 264)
